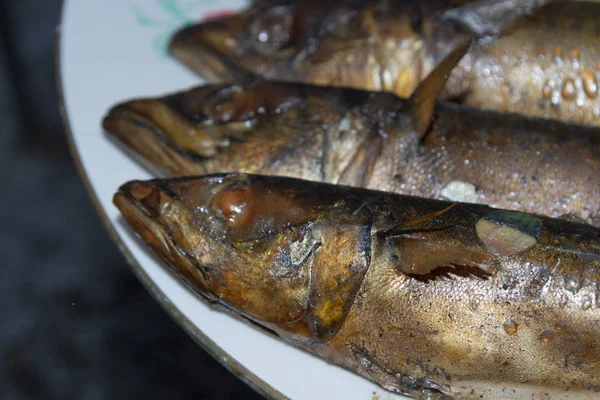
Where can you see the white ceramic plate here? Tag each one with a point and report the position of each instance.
(113, 50)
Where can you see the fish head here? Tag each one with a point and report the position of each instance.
(197, 121)
(225, 48)
(252, 244)
(223, 128)
(229, 237)
(310, 42)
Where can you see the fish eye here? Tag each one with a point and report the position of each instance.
(221, 107)
(234, 204)
(231, 104)
(272, 31)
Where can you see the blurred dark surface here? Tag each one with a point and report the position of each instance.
(76, 324)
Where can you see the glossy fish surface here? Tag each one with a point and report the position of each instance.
(428, 298)
(367, 139)
(533, 58)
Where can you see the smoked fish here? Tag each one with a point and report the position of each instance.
(367, 139)
(428, 298)
(534, 58)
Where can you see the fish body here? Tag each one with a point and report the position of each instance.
(533, 58)
(427, 298)
(367, 139)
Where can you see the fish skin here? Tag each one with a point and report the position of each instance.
(543, 65)
(314, 264)
(215, 52)
(366, 139)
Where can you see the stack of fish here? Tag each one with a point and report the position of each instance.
(408, 189)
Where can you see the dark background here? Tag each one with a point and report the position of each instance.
(76, 323)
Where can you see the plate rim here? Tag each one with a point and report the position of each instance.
(220, 355)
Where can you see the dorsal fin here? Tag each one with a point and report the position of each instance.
(423, 100)
(491, 17)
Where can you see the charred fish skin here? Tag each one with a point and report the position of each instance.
(423, 297)
(540, 60)
(367, 139)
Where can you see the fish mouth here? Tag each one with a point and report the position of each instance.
(148, 144)
(161, 138)
(209, 49)
(147, 207)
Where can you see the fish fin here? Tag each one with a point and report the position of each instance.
(398, 229)
(483, 18)
(423, 100)
(425, 260)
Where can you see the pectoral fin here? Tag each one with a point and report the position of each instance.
(491, 17)
(426, 260)
(417, 251)
(424, 98)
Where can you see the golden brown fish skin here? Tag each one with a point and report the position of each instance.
(168, 132)
(546, 65)
(327, 268)
(393, 55)
(365, 139)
